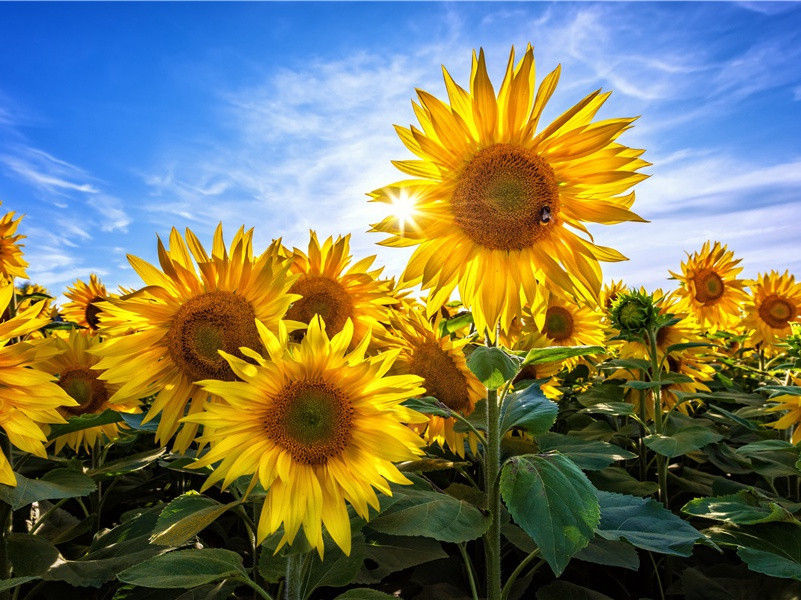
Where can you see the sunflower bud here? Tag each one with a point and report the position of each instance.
(634, 313)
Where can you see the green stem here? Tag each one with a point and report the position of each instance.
(6, 522)
(468, 565)
(492, 465)
(256, 588)
(507, 589)
(295, 565)
(656, 377)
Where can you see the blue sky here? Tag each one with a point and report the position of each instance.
(118, 121)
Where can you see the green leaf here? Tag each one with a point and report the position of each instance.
(645, 523)
(58, 483)
(8, 584)
(428, 405)
(686, 346)
(552, 501)
(613, 553)
(365, 594)
(742, 508)
(185, 568)
(641, 385)
(81, 422)
(129, 464)
(186, 516)
(388, 553)
(492, 366)
(336, 570)
(770, 548)
(616, 479)
(558, 353)
(564, 590)
(772, 458)
(591, 455)
(682, 441)
(31, 554)
(529, 409)
(430, 514)
(610, 408)
(448, 326)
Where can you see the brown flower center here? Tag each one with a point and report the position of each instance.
(83, 386)
(92, 312)
(205, 324)
(506, 198)
(442, 377)
(311, 420)
(558, 324)
(777, 311)
(321, 296)
(708, 286)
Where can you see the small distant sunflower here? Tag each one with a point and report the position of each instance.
(71, 359)
(30, 398)
(792, 418)
(330, 286)
(544, 373)
(441, 362)
(85, 298)
(710, 289)
(493, 204)
(316, 426)
(183, 316)
(773, 306)
(610, 292)
(29, 294)
(11, 262)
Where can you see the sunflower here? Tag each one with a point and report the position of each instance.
(11, 262)
(71, 359)
(85, 297)
(441, 362)
(710, 289)
(29, 294)
(30, 397)
(315, 425)
(330, 286)
(183, 316)
(610, 292)
(494, 204)
(773, 306)
(792, 418)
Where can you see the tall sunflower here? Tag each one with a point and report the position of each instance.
(316, 425)
(330, 286)
(85, 297)
(441, 362)
(30, 398)
(497, 209)
(183, 316)
(710, 289)
(71, 359)
(772, 307)
(11, 262)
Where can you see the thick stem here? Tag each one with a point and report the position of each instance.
(656, 377)
(294, 575)
(492, 465)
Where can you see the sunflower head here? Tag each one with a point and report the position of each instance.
(11, 262)
(790, 405)
(497, 208)
(84, 305)
(773, 306)
(710, 288)
(316, 424)
(192, 308)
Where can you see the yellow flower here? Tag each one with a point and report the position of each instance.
(441, 362)
(792, 418)
(315, 425)
(71, 359)
(564, 323)
(85, 297)
(773, 306)
(11, 262)
(183, 316)
(493, 205)
(710, 289)
(330, 286)
(610, 292)
(29, 397)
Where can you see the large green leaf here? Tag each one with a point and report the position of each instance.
(742, 508)
(428, 405)
(186, 516)
(129, 464)
(336, 570)
(772, 458)
(31, 554)
(558, 353)
(385, 554)
(430, 514)
(8, 584)
(682, 441)
(587, 454)
(81, 422)
(616, 479)
(529, 409)
(564, 590)
(613, 553)
(185, 568)
(58, 483)
(552, 501)
(646, 524)
(492, 366)
(770, 548)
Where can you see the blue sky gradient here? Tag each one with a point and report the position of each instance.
(118, 121)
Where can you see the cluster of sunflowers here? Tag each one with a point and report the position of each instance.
(293, 367)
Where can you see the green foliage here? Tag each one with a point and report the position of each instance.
(492, 366)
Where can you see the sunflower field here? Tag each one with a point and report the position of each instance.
(495, 422)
